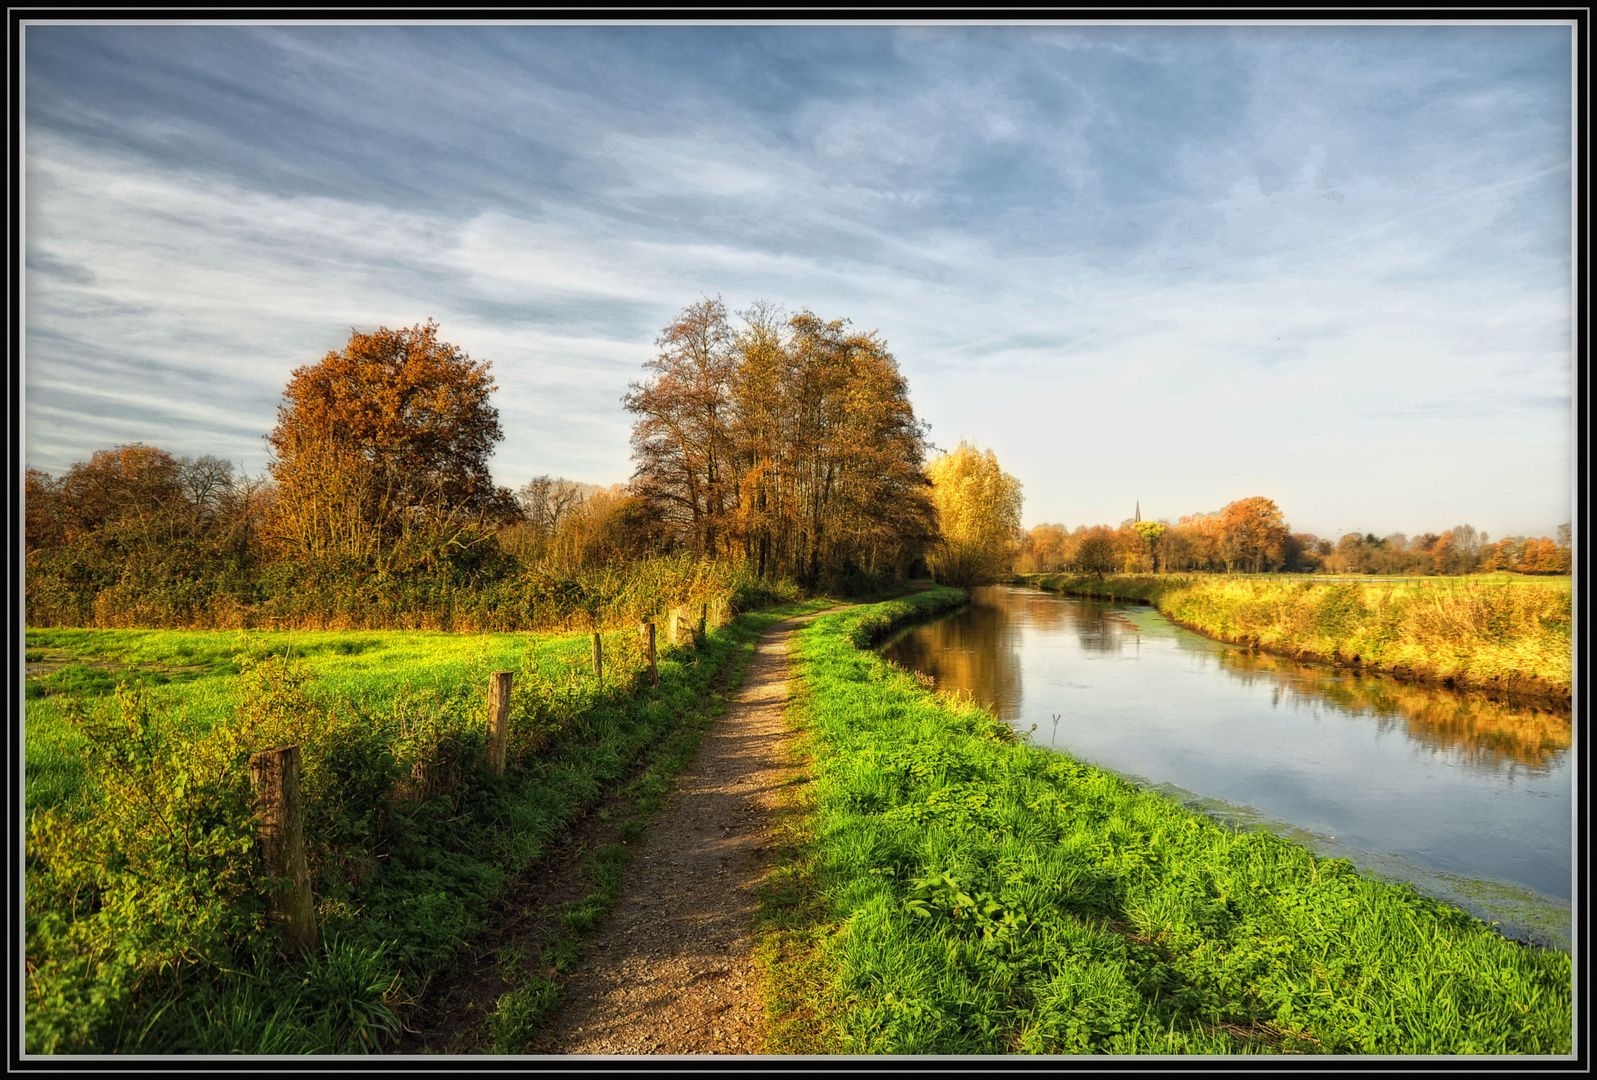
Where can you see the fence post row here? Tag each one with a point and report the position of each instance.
(498, 719)
(274, 776)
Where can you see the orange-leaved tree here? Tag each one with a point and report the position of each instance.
(385, 439)
(1255, 536)
(1043, 550)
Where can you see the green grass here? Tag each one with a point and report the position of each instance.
(947, 890)
(144, 925)
(192, 676)
(1513, 634)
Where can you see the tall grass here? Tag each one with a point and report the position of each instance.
(340, 597)
(954, 891)
(1511, 637)
(145, 928)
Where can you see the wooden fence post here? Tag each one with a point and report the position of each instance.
(704, 621)
(654, 667)
(274, 776)
(498, 719)
(598, 658)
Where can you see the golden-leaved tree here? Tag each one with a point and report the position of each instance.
(978, 517)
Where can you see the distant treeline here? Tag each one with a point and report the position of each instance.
(1250, 536)
(137, 537)
(786, 450)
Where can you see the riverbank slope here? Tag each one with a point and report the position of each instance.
(1513, 639)
(944, 888)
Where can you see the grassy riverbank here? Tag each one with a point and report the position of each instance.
(145, 930)
(1514, 637)
(945, 889)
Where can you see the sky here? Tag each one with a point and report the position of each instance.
(1172, 266)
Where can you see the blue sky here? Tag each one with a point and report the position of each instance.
(1176, 264)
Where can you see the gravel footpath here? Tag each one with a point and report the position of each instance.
(673, 971)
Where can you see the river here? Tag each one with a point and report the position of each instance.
(1468, 800)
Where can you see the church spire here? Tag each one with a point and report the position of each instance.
(1139, 510)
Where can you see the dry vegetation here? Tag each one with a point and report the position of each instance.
(1515, 638)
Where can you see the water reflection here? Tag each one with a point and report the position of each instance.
(1484, 733)
(974, 654)
(1409, 780)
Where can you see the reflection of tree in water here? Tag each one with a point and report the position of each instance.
(1482, 731)
(972, 650)
(1042, 611)
(1100, 629)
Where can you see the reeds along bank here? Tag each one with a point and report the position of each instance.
(1513, 637)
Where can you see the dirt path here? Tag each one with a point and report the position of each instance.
(673, 970)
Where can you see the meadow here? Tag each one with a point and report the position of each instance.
(146, 927)
(946, 889)
(1500, 632)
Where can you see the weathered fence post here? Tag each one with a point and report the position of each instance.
(274, 776)
(598, 658)
(654, 667)
(704, 622)
(498, 719)
(678, 621)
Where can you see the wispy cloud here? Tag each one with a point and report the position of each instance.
(1180, 264)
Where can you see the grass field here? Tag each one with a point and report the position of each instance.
(192, 676)
(145, 925)
(944, 889)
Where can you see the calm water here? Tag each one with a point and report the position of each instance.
(1468, 800)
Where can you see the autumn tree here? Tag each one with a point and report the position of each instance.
(388, 438)
(1543, 556)
(681, 439)
(1044, 550)
(1195, 543)
(855, 451)
(1095, 550)
(1526, 555)
(1305, 551)
(609, 527)
(546, 504)
(1254, 534)
(1458, 550)
(547, 501)
(790, 443)
(1152, 532)
(978, 517)
(164, 533)
(141, 500)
